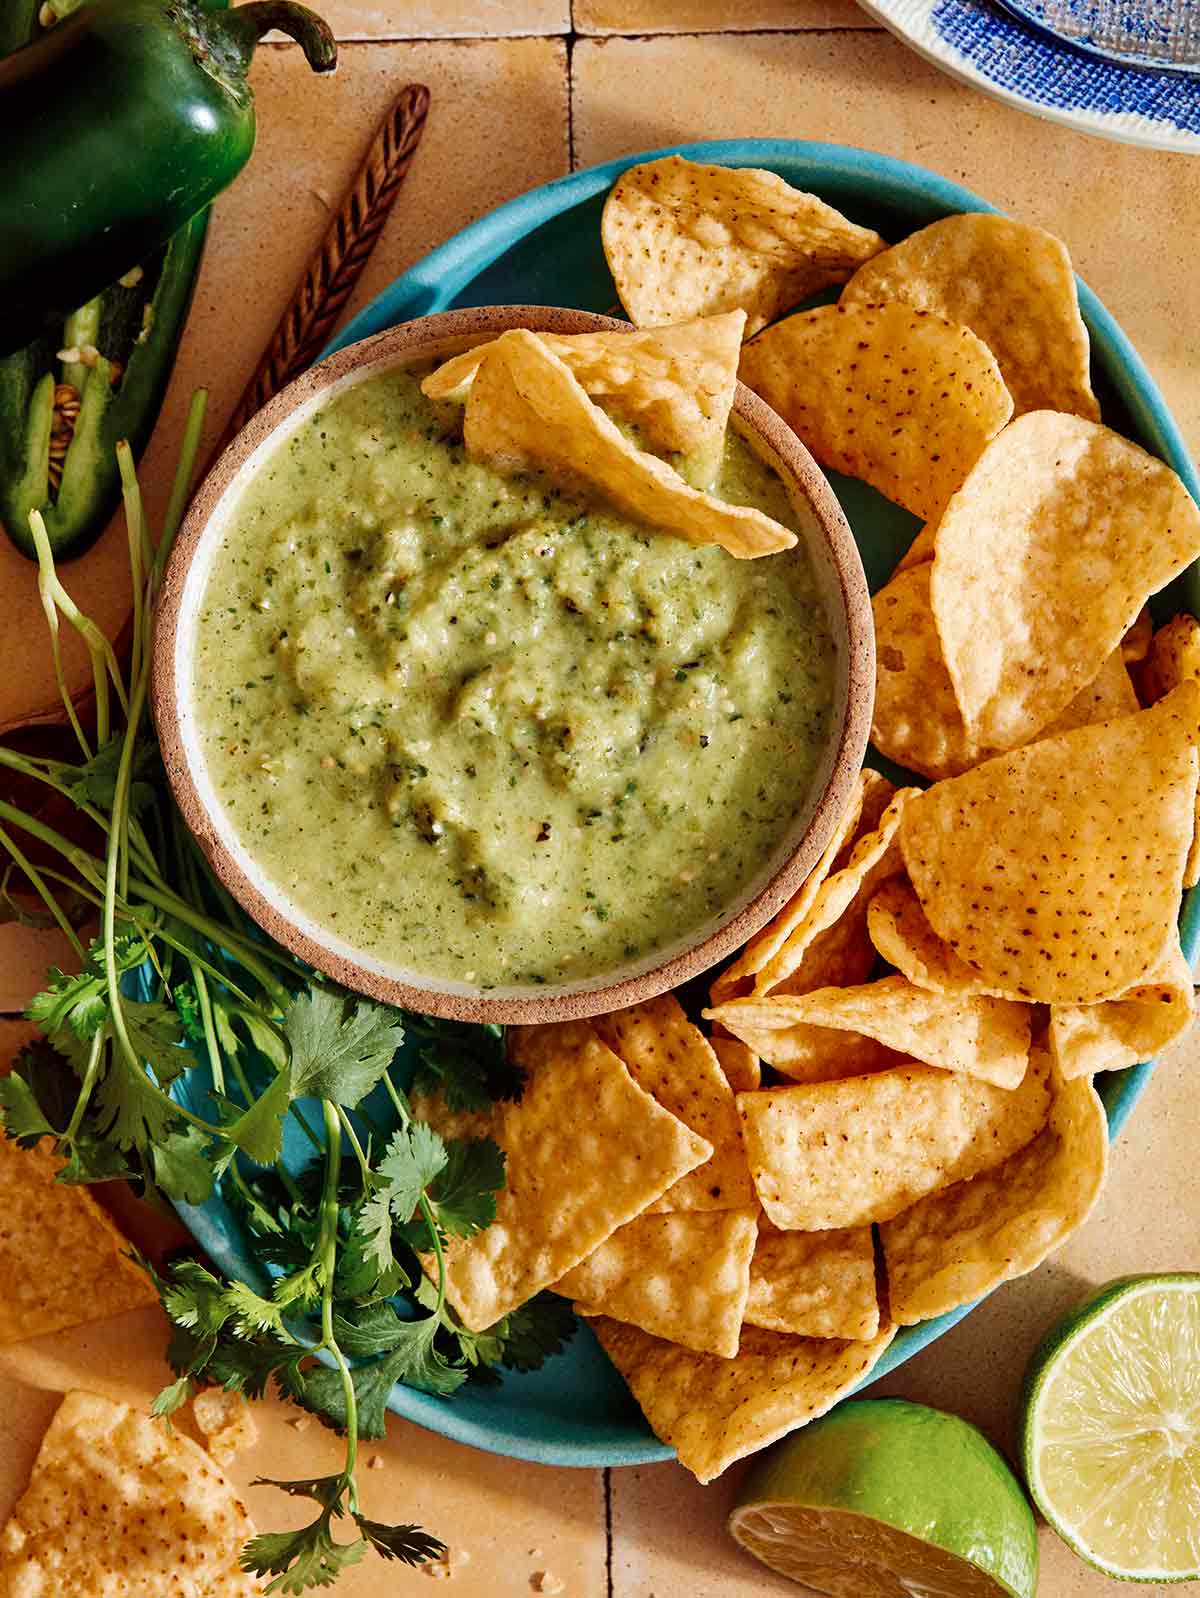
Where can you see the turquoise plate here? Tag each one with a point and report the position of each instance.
(544, 249)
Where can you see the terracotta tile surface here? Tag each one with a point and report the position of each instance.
(1128, 215)
(444, 19)
(511, 1520)
(497, 126)
(714, 16)
(25, 952)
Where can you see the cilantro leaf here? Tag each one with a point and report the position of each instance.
(469, 1064)
(363, 1333)
(340, 1046)
(156, 1035)
(301, 1559)
(413, 1359)
(536, 1330)
(463, 1194)
(130, 1109)
(172, 1397)
(183, 1167)
(21, 1113)
(259, 1130)
(409, 1544)
(95, 782)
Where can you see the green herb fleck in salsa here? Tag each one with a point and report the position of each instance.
(480, 728)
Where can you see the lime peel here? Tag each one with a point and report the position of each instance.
(884, 1496)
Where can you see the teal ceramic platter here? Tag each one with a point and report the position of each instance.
(544, 249)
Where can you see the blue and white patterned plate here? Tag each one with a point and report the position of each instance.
(1011, 58)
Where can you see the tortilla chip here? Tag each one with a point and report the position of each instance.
(684, 239)
(224, 1420)
(900, 930)
(742, 1067)
(803, 1052)
(983, 1037)
(1044, 558)
(835, 1154)
(119, 1503)
(715, 1411)
(1055, 871)
(958, 1244)
(1135, 645)
(674, 384)
(917, 720)
(1172, 657)
(814, 1284)
(920, 550)
(62, 1260)
(683, 1277)
(831, 947)
(570, 1182)
(1010, 283)
(902, 399)
(526, 411)
(866, 805)
(1110, 695)
(1129, 1029)
(673, 1061)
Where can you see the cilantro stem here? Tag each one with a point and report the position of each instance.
(364, 1164)
(85, 1091)
(177, 502)
(326, 1247)
(215, 1063)
(39, 885)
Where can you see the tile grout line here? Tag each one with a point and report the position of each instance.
(570, 44)
(571, 38)
(608, 1535)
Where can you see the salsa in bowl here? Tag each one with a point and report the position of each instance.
(477, 742)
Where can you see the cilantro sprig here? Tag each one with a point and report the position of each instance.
(353, 1245)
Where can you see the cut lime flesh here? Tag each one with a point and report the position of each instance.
(1112, 1429)
(839, 1554)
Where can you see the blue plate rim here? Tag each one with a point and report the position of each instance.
(422, 290)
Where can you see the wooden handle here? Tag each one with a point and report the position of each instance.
(306, 324)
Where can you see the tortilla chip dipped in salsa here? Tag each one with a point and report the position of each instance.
(673, 386)
(526, 410)
(687, 239)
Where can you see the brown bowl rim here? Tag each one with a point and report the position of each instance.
(408, 338)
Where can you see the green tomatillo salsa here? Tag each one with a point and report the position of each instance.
(484, 729)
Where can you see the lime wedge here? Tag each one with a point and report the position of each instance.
(1111, 1439)
(887, 1499)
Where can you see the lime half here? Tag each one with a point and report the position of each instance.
(887, 1499)
(1112, 1428)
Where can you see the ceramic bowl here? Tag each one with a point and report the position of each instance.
(824, 534)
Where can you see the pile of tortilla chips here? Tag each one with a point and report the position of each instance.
(895, 1111)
